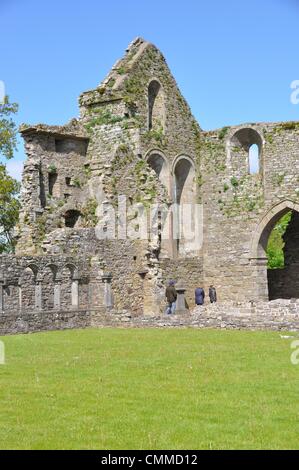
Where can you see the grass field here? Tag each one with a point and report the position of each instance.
(148, 389)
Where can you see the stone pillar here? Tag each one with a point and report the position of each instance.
(108, 297)
(2, 282)
(20, 296)
(38, 293)
(151, 304)
(75, 291)
(96, 287)
(181, 302)
(259, 279)
(57, 292)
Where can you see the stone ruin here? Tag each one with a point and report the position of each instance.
(136, 137)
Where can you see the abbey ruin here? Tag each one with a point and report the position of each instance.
(136, 138)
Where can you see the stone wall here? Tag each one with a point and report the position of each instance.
(280, 315)
(240, 209)
(187, 270)
(275, 315)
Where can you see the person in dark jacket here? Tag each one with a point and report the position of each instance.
(199, 296)
(212, 294)
(171, 297)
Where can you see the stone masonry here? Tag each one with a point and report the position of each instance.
(136, 145)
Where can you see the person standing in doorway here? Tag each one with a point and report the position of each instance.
(199, 296)
(212, 294)
(171, 296)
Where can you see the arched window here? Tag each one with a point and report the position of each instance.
(162, 222)
(160, 167)
(246, 150)
(184, 179)
(254, 159)
(185, 221)
(155, 106)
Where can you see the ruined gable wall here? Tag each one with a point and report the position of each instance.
(116, 118)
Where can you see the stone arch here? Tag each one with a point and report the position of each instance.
(27, 285)
(265, 226)
(280, 282)
(11, 295)
(73, 269)
(47, 286)
(240, 144)
(53, 268)
(163, 219)
(184, 196)
(156, 106)
(158, 162)
(33, 268)
(69, 278)
(183, 170)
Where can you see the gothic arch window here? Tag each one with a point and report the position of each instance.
(185, 229)
(160, 166)
(27, 283)
(156, 109)
(163, 222)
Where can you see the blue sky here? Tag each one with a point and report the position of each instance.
(234, 61)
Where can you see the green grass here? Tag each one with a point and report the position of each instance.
(148, 389)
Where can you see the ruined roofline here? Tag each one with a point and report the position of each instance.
(110, 89)
(283, 125)
(113, 87)
(72, 130)
(134, 50)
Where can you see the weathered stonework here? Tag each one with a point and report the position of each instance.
(136, 137)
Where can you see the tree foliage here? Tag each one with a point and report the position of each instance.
(276, 244)
(9, 187)
(9, 209)
(8, 129)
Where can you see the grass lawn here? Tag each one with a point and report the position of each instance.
(149, 389)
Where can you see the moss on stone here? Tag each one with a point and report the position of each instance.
(89, 215)
(223, 132)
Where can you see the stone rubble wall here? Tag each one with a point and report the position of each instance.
(46, 320)
(280, 314)
(275, 315)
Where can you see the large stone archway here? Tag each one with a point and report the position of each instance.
(278, 283)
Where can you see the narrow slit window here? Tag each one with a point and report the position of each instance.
(52, 182)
